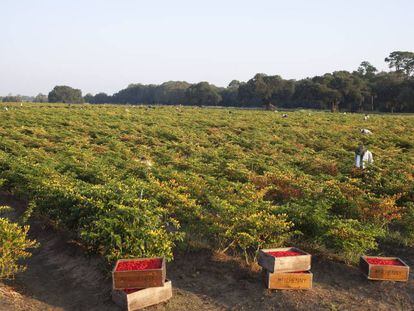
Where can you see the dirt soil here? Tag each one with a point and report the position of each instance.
(60, 276)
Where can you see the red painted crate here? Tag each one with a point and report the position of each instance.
(139, 273)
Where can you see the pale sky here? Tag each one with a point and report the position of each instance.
(103, 45)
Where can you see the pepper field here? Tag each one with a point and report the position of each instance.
(142, 181)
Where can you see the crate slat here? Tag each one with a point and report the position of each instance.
(288, 280)
(142, 298)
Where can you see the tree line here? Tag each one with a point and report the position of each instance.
(364, 89)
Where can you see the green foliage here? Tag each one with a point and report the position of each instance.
(401, 61)
(4, 208)
(367, 70)
(268, 89)
(65, 94)
(321, 226)
(203, 93)
(139, 181)
(351, 238)
(405, 226)
(130, 232)
(40, 98)
(14, 246)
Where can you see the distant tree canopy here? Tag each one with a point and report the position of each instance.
(168, 93)
(366, 70)
(65, 94)
(100, 98)
(401, 61)
(268, 90)
(11, 98)
(203, 93)
(40, 98)
(363, 89)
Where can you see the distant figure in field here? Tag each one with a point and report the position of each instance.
(284, 115)
(363, 157)
(146, 161)
(366, 117)
(366, 132)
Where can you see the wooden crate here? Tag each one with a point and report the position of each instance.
(284, 264)
(139, 278)
(384, 272)
(142, 298)
(288, 280)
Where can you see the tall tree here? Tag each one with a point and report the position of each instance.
(88, 98)
(406, 96)
(351, 88)
(388, 87)
(230, 94)
(203, 93)
(270, 90)
(366, 70)
(40, 98)
(172, 93)
(401, 61)
(315, 95)
(65, 94)
(101, 98)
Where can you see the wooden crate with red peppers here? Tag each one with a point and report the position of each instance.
(286, 268)
(384, 268)
(140, 283)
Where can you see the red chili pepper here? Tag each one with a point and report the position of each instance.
(284, 253)
(384, 262)
(139, 265)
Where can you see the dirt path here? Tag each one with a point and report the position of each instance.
(61, 277)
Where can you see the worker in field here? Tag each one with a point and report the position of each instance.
(363, 157)
(366, 132)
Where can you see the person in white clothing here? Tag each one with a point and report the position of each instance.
(363, 157)
(366, 132)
